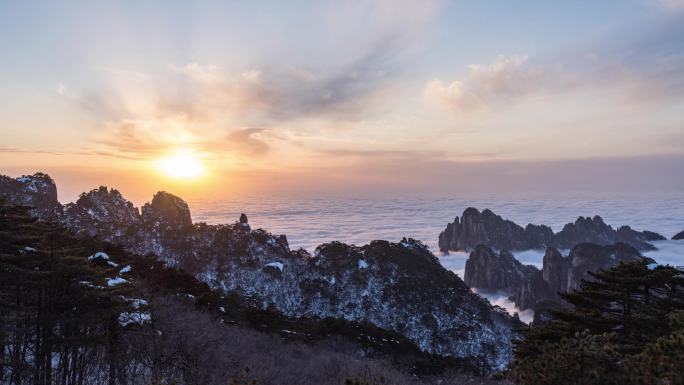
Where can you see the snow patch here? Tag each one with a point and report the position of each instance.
(116, 281)
(89, 285)
(99, 255)
(126, 269)
(362, 264)
(277, 265)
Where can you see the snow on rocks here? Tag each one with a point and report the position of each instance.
(136, 303)
(125, 269)
(103, 257)
(363, 264)
(89, 285)
(99, 255)
(277, 265)
(116, 281)
(134, 318)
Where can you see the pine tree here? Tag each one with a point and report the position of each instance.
(612, 322)
(53, 303)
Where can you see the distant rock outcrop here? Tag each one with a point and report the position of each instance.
(527, 285)
(486, 228)
(38, 191)
(679, 236)
(486, 270)
(395, 286)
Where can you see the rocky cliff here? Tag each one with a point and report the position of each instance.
(37, 191)
(488, 271)
(475, 228)
(396, 286)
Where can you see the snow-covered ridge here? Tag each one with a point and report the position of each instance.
(396, 286)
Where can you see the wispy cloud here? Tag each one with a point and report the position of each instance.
(638, 68)
(508, 79)
(210, 107)
(674, 5)
(10, 150)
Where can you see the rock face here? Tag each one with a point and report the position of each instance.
(103, 213)
(38, 191)
(528, 286)
(486, 228)
(678, 236)
(486, 270)
(167, 212)
(588, 257)
(396, 286)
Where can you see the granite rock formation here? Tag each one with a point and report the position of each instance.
(37, 191)
(398, 286)
(488, 271)
(527, 285)
(475, 228)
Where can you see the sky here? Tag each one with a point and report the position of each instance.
(344, 97)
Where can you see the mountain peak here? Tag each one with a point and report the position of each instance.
(167, 209)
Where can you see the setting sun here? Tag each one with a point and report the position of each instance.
(181, 166)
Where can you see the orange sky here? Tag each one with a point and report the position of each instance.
(345, 97)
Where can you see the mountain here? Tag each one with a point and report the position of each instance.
(397, 286)
(475, 228)
(488, 271)
(37, 191)
(78, 310)
(678, 236)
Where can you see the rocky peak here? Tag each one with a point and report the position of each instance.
(474, 228)
(168, 211)
(651, 235)
(244, 223)
(102, 204)
(678, 236)
(589, 257)
(555, 270)
(399, 286)
(38, 191)
(586, 229)
(486, 270)
(101, 212)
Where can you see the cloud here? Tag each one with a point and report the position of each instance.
(675, 5)
(15, 150)
(507, 79)
(629, 67)
(253, 76)
(248, 141)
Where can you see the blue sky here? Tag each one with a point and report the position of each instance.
(367, 91)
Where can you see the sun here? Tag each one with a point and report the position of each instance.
(181, 165)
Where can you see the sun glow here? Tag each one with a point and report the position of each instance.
(181, 165)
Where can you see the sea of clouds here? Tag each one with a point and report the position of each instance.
(308, 222)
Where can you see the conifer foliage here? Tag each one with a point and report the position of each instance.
(59, 321)
(625, 326)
